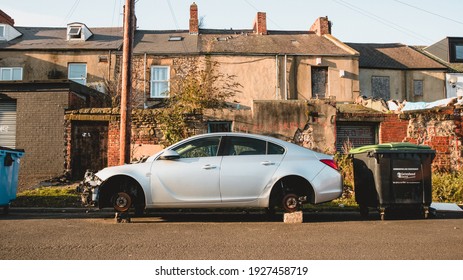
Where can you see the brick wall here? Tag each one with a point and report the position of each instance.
(441, 129)
(145, 131)
(40, 132)
(392, 129)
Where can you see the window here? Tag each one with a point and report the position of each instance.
(218, 127)
(459, 52)
(160, 81)
(74, 32)
(319, 81)
(203, 147)
(455, 50)
(274, 149)
(418, 87)
(2, 32)
(243, 146)
(380, 87)
(11, 73)
(77, 72)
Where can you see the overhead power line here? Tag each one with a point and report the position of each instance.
(71, 11)
(384, 21)
(429, 12)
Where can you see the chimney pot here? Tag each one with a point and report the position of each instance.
(194, 22)
(260, 23)
(321, 26)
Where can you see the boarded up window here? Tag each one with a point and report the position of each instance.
(418, 87)
(380, 87)
(319, 81)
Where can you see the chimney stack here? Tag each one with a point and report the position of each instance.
(321, 26)
(6, 19)
(194, 23)
(260, 23)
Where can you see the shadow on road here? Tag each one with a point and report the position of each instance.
(222, 217)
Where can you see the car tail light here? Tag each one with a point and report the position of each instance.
(331, 163)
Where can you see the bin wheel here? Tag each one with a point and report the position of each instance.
(382, 213)
(364, 211)
(426, 212)
(290, 203)
(122, 202)
(6, 209)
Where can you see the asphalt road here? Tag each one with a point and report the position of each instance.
(203, 236)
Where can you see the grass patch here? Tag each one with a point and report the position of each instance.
(48, 197)
(447, 187)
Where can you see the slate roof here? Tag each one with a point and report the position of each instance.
(275, 42)
(49, 38)
(208, 41)
(393, 56)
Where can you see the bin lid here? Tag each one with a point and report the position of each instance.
(396, 146)
(17, 152)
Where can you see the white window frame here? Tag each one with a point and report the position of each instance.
(11, 75)
(153, 82)
(75, 32)
(82, 79)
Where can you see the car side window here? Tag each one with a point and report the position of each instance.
(202, 147)
(274, 149)
(241, 146)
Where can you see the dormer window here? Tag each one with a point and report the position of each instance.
(78, 31)
(74, 32)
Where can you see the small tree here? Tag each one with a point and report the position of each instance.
(197, 85)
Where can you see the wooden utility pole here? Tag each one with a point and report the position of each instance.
(126, 108)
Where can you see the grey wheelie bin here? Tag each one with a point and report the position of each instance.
(393, 175)
(9, 168)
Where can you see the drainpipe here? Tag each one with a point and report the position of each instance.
(109, 65)
(144, 81)
(277, 87)
(286, 77)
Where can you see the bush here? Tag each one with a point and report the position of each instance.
(447, 187)
(347, 171)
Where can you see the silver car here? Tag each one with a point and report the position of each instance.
(219, 170)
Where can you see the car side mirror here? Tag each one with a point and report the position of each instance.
(170, 155)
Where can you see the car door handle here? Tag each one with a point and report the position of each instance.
(266, 163)
(208, 167)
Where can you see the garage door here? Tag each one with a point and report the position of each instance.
(357, 134)
(8, 124)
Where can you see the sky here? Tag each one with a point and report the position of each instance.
(411, 22)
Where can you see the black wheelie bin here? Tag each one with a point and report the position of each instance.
(393, 175)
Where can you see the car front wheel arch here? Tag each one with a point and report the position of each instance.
(122, 192)
(288, 188)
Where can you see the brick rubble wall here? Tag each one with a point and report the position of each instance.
(440, 129)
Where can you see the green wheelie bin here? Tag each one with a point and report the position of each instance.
(393, 175)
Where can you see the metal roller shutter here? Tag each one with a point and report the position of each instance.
(8, 124)
(357, 134)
